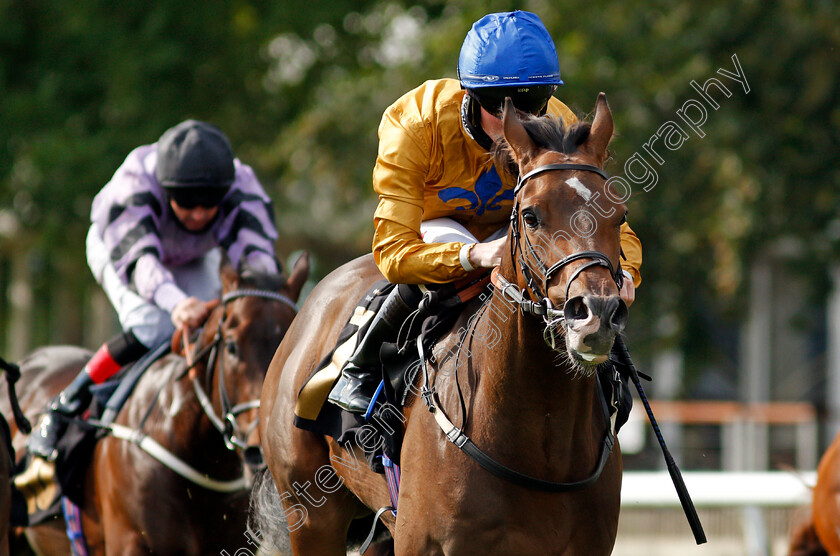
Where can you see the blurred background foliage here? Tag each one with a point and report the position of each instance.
(300, 89)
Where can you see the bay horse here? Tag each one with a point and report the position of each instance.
(524, 388)
(203, 414)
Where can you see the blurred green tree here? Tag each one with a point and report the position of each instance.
(300, 93)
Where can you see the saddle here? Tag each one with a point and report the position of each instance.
(438, 309)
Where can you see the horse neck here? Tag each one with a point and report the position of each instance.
(523, 389)
(194, 438)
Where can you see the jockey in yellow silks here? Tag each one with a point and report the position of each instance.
(443, 209)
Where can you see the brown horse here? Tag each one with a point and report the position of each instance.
(819, 534)
(204, 417)
(524, 387)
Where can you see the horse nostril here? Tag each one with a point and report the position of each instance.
(575, 309)
(253, 456)
(619, 317)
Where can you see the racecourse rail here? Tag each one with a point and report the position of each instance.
(745, 512)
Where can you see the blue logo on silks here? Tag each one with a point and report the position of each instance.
(484, 197)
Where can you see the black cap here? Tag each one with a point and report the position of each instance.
(194, 154)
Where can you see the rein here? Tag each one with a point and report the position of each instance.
(551, 316)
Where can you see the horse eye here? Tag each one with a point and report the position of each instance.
(232, 348)
(623, 219)
(530, 218)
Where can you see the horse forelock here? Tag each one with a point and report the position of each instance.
(548, 132)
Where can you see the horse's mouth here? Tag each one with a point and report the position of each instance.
(588, 349)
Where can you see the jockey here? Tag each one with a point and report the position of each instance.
(443, 210)
(153, 246)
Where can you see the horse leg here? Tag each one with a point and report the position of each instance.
(316, 514)
(318, 521)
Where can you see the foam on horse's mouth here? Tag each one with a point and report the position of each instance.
(590, 358)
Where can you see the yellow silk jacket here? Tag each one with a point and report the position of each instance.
(429, 166)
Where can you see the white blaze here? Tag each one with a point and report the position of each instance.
(581, 189)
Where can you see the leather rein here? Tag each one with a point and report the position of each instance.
(552, 318)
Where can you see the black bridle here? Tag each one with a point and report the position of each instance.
(597, 258)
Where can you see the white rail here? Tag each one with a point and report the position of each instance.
(719, 488)
(740, 511)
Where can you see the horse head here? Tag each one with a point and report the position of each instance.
(564, 246)
(239, 340)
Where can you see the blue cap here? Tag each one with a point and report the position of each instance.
(508, 49)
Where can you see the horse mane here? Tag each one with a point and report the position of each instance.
(548, 132)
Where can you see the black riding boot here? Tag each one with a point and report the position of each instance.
(71, 402)
(361, 373)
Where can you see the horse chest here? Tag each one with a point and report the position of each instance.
(449, 501)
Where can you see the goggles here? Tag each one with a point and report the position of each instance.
(530, 99)
(192, 197)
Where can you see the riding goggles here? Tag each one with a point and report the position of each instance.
(197, 196)
(531, 99)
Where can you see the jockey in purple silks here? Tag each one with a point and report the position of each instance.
(153, 245)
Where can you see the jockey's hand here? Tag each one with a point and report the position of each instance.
(487, 255)
(190, 313)
(628, 292)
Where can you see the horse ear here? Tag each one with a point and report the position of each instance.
(520, 142)
(602, 129)
(230, 278)
(300, 272)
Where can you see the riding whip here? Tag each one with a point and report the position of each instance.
(685, 499)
